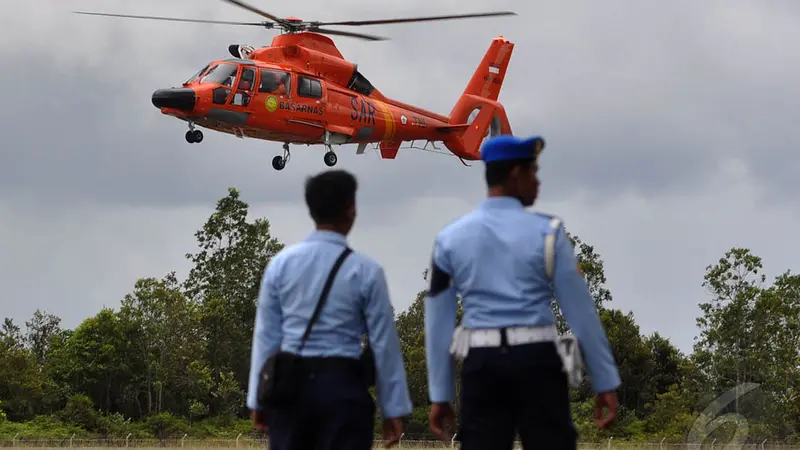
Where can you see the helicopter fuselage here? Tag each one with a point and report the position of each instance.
(299, 90)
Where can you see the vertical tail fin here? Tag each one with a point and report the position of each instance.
(488, 77)
(480, 97)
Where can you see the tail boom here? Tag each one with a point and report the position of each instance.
(462, 136)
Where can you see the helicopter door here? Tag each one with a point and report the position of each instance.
(244, 87)
(308, 107)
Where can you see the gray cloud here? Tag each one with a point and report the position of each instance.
(644, 106)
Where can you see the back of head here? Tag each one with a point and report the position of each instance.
(511, 166)
(331, 199)
(498, 173)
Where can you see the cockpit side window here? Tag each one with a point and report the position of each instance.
(223, 74)
(274, 82)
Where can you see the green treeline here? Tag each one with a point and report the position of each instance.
(174, 358)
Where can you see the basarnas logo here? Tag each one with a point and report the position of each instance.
(271, 103)
(708, 422)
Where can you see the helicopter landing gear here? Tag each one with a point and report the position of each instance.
(194, 136)
(279, 162)
(330, 158)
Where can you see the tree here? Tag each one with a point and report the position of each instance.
(779, 313)
(667, 369)
(42, 328)
(633, 357)
(411, 333)
(750, 333)
(167, 339)
(593, 271)
(670, 414)
(225, 280)
(199, 389)
(21, 391)
(80, 411)
(233, 253)
(95, 359)
(728, 339)
(11, 335)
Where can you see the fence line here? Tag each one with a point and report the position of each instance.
(249, 443)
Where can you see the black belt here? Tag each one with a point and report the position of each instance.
(330, 364)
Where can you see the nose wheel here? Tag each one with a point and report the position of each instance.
(279, 162)
(194, 136)
(330, 158)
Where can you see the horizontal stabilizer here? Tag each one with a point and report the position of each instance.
(453, 128)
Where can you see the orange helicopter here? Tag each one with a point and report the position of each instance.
(301, 90)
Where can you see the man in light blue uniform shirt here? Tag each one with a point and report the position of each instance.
(513, 377)
(333, 410)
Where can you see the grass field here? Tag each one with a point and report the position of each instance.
(32, 444)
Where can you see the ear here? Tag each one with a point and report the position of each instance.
(516, 176)
(514, 173)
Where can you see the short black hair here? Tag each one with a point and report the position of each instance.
(497, 172)
(329, 195)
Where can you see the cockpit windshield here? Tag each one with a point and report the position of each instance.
(196, 75)
(223, 74)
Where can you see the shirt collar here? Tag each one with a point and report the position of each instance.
(501, 203)
(327, 236)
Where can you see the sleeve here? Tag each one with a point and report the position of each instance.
(440, 323)
(267, 330)
(579, 310)
(392, 385)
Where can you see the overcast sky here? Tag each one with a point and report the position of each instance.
(671, 131)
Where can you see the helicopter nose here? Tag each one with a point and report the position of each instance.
(176, 98)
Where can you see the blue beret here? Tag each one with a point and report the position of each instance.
(505, 147)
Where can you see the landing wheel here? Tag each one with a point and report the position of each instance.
(279, 162)
(331, 159)
(194, 136)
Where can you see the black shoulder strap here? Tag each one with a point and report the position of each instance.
(324, 296)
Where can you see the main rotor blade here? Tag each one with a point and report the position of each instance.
(255, 10)
(172, 19)
(416, 19)
(367, 37)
